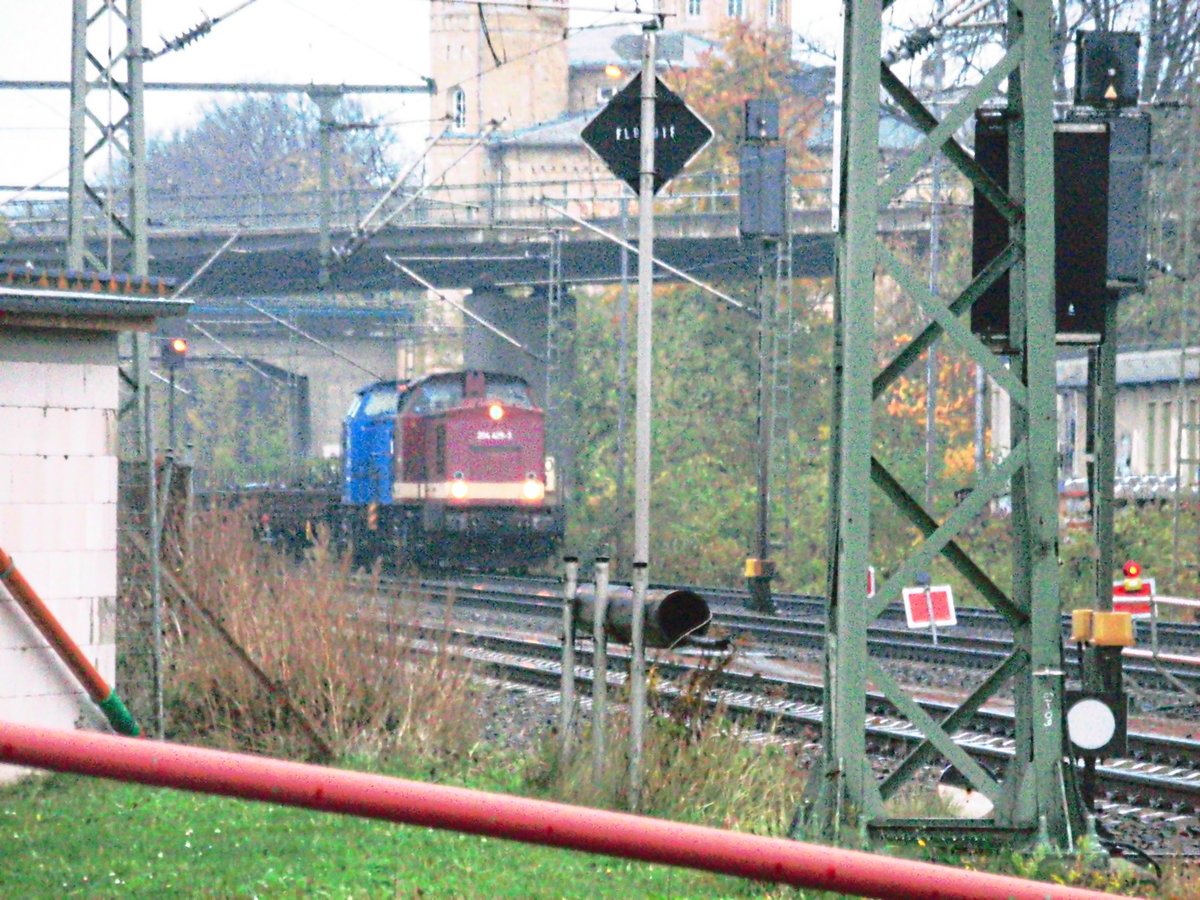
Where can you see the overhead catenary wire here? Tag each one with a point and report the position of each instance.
(315, 340)
(425, 283)
(242, 358)
(679, 273)
(361, 234)
(541, 48)
(204, 266)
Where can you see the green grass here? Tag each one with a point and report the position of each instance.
(69, 836)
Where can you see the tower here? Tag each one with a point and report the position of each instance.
(492, 64)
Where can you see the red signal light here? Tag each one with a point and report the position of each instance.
(1133, 577)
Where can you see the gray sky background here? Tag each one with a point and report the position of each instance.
(291, 41)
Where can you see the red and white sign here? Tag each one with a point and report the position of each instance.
(1136, 602)
(870, 581)
(932, 605)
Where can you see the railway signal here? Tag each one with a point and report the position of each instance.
(1134, 593)
(173, 352)
(928, 606)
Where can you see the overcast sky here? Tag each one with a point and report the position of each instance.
(291, 41)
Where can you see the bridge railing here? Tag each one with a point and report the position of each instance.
(481, 205)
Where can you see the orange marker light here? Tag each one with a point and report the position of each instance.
(613, 71)
(496, 411)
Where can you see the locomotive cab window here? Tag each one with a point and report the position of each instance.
(434, 396)
(510, 392)
(381, 402)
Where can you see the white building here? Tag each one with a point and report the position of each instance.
(59, 389)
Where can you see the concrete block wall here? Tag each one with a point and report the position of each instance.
(58, 516)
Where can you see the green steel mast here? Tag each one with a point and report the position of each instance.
(844, 800)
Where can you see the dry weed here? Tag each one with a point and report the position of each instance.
(333, 648)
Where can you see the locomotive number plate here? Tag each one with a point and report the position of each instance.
(493, 436)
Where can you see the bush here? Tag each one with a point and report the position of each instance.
(333, 652)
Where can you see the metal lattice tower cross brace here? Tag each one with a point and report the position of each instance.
(111, 76)
(844, 800)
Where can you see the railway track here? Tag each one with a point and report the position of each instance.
(1159, 781)
(966, 647)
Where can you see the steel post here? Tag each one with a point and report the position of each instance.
(645, 356)
(566, 713)
(600, 670)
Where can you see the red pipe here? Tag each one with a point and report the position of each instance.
(514, 818)
(51, 630)
(66, 648)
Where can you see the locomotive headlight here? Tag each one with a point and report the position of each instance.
(496, 411)
(533, 489)
(458, 487)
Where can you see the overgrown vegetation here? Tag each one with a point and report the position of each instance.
(350, 661)
(383, 701)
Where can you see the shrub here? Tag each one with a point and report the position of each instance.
(332, 649)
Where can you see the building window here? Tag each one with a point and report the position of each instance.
(733, 9)
(693, 8)
(458, 107)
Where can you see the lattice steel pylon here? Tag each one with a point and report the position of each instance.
(113, 76)
(107, 95)
(111, 73)
(1035, 797)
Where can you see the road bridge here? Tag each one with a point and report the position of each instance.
(277, 247)
(258, 305)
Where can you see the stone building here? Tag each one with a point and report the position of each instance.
(516, 86)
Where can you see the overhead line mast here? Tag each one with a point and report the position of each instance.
(844, 800)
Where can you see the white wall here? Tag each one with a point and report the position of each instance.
(58, 516)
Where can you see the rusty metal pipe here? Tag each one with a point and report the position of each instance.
(65, 647)
(514, 818)
(670, 616)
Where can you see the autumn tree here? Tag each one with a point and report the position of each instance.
(749, 63)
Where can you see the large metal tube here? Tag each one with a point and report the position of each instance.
(670, 615)
(513, 818)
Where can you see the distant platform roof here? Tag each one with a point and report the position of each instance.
(1136, 367)
(58, 299)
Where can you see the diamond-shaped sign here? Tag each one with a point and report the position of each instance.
(615, 133)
